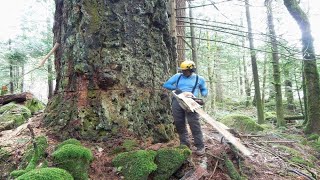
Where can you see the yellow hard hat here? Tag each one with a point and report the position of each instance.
(187, 65)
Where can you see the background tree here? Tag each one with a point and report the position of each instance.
(309, 67)
(254, 68)
(111, 63)
(275, 64)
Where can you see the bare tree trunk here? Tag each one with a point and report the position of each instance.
(181, 12)
(275, 65)
(50, 79)
(22, 78)
(264, 80)
(310, 67)
(218, 78)
(254, 68)
(210, 74)
(50, 72)
(11, 71)
(193, 37)
(240, 80)
(110, 65)
(245, 72)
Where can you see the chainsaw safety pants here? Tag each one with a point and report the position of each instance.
(180, 117)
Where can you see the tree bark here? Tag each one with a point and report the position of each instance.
(110, 66)
(310, 67)
(181, 12)
(193, 37)
(245, 72)
(275, 65)
(254, 68)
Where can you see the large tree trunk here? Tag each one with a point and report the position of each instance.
(275, 65)
(193, 37)
(111, 63)
(310, 67)
(254, 68)
(181, 14)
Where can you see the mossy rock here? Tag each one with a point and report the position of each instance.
(136, 165)
(69, 141)
(241, 123)
(13, 115)
(46, 174)
(73, 158)
(34, 105)
(169, 160)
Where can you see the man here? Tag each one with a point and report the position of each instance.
(187, 81)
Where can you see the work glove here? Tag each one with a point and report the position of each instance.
(199, 101)
(178, 91)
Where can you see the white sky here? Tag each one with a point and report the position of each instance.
(11, 12)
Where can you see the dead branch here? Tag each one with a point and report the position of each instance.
(214, 170)
(32, 136)
(56, 45)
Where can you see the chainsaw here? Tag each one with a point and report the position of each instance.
(187, 101)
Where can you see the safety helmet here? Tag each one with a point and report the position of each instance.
(187, 65)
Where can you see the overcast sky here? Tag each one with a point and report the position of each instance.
(11, 12)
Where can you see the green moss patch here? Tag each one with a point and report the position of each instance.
(13, 115)
(33, 156)
(34, 105)
(232, 171)
(270, 116)
(169, 160)
(69, 141)
(136, 165)
(46, 174)
(296, 156)
(4, 155)
(241, 123)
(129, 145)
(73, 158)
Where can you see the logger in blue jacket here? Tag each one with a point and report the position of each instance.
(187, 81)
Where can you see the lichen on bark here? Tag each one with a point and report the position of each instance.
(112, 61)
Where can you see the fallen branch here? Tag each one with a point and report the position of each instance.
(214, 170)
(250, 135)
(56, 45)
(300, 174)
(275, 141)
(32, 136)
(289, 118)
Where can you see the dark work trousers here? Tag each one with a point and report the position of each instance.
(180, 116)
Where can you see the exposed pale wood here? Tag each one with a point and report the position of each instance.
(190, 105)
(226, 134)
(5, 99)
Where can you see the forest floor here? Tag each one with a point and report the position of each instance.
(272, 154)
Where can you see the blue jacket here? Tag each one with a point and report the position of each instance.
(186, 84)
